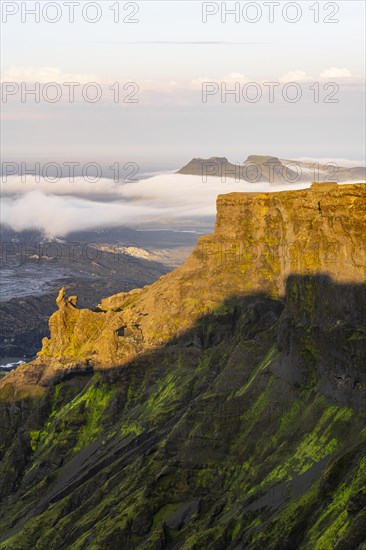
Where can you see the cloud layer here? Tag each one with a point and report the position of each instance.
(176, 89)
(60, 208)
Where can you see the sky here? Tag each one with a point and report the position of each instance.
(168, 55)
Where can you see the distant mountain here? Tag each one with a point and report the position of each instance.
(260, 168)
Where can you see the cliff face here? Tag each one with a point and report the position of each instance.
(221, 407)
(259, 240)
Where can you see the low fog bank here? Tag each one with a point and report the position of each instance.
(62, 207)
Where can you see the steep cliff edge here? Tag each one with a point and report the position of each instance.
(259, 240)
(230, 410)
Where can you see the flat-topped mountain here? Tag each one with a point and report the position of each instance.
(255, 169)
(221, 407)
(260, 239)
(262, 168)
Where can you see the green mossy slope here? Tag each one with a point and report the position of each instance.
(251, 441)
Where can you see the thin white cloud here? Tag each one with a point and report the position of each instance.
(180, 91)
(185, 43)
(322, 161)
(335, 72)
(45, 75)
(302, 76)
(161, 86)
(235, 77)
(296, 76)
(229, 79)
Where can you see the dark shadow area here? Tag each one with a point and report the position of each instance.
(177, 423)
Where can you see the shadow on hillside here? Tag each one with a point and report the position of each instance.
(310, 301)
(312, 338)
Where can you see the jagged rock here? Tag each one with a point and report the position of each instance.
(72, 300)
(61, 300)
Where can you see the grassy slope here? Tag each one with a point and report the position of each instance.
(190, 448)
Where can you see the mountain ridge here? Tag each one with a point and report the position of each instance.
(260, 239)
(271, 169)
(221, 407)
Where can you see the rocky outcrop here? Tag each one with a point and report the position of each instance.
(24, 320)
(260, 239)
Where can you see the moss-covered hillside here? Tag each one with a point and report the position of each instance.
(244, 429)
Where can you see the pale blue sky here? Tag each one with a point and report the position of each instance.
(171, 122)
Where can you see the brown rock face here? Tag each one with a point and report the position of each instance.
(259, 240)
(63, 302)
